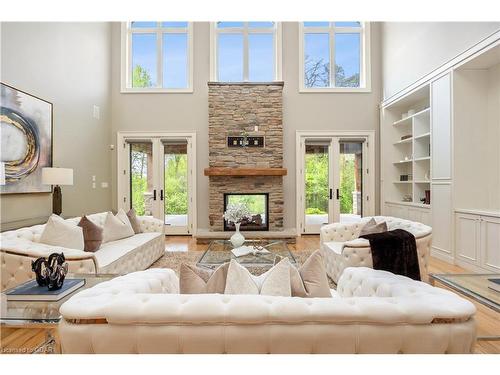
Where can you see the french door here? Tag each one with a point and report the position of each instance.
(157, 179)
(333, 176)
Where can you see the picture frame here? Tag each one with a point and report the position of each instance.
(27, 140)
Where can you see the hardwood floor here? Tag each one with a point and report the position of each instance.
(488, 321)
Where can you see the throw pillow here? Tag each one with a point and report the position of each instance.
(194, 280)
(117, 227)
(275, 282)
(92, 234)
(59, 232)
(132, 216)
(372, 227)
(310, 279)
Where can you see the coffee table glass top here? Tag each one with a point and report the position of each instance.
(474, 286)
(23, 313)
(219, 252)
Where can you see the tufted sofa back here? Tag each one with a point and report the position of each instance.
(34, 232)
(349, 231)
(143, 313)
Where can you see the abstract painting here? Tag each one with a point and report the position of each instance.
(26, 140)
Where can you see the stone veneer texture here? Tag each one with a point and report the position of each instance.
(234, 109)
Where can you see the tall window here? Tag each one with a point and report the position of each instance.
(157, 56)
(335, 56)
(245, 51)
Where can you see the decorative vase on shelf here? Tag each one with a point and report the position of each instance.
(237, 238)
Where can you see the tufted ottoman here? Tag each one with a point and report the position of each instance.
(371, 312)
(341, 247)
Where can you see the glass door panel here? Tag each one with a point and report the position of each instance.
(176, 188)
(350, 181)
(141, 178)
(317, 185)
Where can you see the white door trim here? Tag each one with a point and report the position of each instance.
(122, 170)
(368, 182)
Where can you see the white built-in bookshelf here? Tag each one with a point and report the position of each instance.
(407, 150)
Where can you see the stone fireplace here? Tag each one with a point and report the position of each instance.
(252, 114)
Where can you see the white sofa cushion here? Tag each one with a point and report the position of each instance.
(114, 250)
(59, 232)
(117, 227)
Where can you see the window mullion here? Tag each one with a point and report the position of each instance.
(246, 53)
(331, 35)
(129, 63)
(159, 58)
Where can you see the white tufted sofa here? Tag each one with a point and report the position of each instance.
(19, 247)
(342, 248)
(371, 312)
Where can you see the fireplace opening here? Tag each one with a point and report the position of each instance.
(257, 204)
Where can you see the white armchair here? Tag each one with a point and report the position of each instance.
(341, 247)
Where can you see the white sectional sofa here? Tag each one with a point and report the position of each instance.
(371, 312)
(341, 247)
(19, 247)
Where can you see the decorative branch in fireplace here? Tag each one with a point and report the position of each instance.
(257, 204)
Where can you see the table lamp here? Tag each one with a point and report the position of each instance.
(57, 176)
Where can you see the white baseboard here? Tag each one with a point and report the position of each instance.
(442, 255)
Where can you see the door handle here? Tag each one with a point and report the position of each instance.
(161, 194)
(154, 194)
(338, 194)
(331, 193)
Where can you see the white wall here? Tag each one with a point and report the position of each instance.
(189, 112)
(67, 64)
(410, 50)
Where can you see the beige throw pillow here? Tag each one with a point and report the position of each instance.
(310, 280)
(132, 216)
(275, 282)
(372, 227)
(59, 232)
(117, 227)
(194, 280)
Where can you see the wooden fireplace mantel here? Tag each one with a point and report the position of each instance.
(220, 171)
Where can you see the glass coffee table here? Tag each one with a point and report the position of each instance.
(219, 252)
(474, 286)
(43, 314)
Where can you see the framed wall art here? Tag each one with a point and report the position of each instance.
(26, 140)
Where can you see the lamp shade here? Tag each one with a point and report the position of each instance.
(57, 176)
(2, 173)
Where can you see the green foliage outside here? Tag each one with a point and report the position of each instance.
(256, 204)
(139, 185)
(176, 197)
(317, 193)
(347, 183)
(176, 188)
(141, 77)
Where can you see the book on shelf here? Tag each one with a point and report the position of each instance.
(494, 284)
(31, 291)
